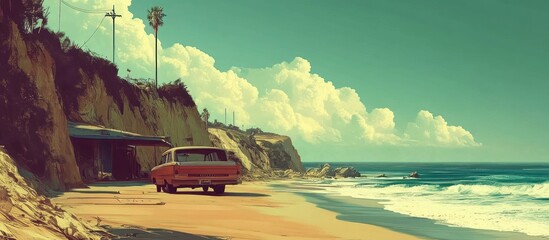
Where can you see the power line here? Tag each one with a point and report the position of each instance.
(82, 9)
(94, 31)
(95, 11)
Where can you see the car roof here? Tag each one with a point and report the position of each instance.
(193, 147)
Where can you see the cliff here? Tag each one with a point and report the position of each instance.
(261, 154)
(33, 125)
(46, 82)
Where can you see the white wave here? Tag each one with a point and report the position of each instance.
(535, 169)
(369, 191)
(501, 177)
(533, 190)
(395, 178)
(528, 218)
(500, 208)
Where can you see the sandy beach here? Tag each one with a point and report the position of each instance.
(253, 210)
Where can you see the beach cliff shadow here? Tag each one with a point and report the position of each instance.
(86, 187)
(132, 233)
(226, 194)
(121, 183)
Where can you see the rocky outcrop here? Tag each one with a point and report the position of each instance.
(262, 154)
(25, 214)
(288, 173)
(326, 170)
(280, 150)
(346, 172)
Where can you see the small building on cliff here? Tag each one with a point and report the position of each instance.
(104, 152)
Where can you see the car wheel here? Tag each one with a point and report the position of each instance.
(170, 188)
(205, 189)
(219, 189)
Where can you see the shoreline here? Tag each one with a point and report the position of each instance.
(370, 211)
(253, 210)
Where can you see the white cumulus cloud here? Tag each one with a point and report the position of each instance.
(435, 131)
(308, 104)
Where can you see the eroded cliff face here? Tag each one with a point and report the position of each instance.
(43, 85)
(262, 154)
(281, 151)
(150, 115)
(31, 113)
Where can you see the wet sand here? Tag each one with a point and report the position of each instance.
(253, 210)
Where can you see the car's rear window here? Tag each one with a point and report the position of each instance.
(199, 155)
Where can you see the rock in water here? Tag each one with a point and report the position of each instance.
(346, 172)
(414, 175)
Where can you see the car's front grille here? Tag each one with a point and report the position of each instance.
(208, 175)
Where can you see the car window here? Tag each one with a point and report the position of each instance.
(163, 159)
(212, 157)
(169, 157)
(199, 155)
(190, 157)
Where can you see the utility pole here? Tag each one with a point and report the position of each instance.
(59, 28)
(113, 15)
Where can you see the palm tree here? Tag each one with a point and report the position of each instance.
(155, 16)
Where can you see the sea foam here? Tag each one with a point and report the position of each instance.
(532, 190)
(513, 207)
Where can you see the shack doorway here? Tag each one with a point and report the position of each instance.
(125, 167)
(105, 149)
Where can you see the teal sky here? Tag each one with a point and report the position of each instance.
(483, 65)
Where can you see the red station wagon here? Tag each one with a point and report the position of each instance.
(192, 167)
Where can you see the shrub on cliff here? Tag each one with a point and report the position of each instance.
(176, 91)
(253, 131)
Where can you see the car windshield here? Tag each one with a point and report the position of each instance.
(199, 155)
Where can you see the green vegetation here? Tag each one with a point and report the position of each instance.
(176, 91)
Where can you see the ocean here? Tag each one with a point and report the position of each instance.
(448, 201)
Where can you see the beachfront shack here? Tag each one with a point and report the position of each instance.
(106, 153)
